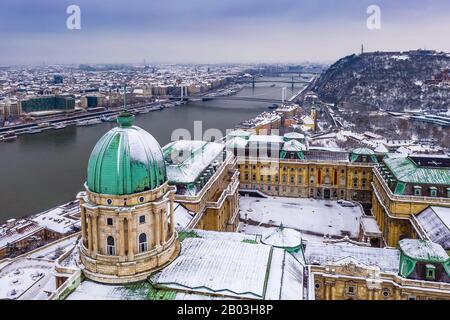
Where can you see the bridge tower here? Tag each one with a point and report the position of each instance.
(283, 95)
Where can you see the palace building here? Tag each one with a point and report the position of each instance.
(287, 166)
(207, 183)
(405, 186)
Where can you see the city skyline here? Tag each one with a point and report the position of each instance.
(223, 32)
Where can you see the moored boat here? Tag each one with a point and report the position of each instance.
(9, 136)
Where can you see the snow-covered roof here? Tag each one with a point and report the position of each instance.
(381, 148)
(183, 217)
(294, 135)
(282, 237)
(230, 268)
(435, 222)
(237, 142)
(370, 225)
(187, 159)
(240, 133)
(386, 259)
(266, 138)
(293, 145)
(20, 231)
(320, 217)
(423, 250)
(225, 263)
(363, 151)
(18, 277)
(55, 220)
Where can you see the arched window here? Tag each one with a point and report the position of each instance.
(355, 183)
(110, 246)
(142, 242)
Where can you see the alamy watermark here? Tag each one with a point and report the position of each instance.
(374, 20)
(73, 21)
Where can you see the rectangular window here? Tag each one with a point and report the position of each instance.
(141, 219)
(300, 180)
(292, 179)
(109, 221)
(430, 272)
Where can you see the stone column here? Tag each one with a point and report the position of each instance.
(156, 221)
(121, 237)
(171, 214)
(131, 237)
(95, 231)
(162, 220)
(83, 225)
(172, 219)
(90, 247)
(370, 294)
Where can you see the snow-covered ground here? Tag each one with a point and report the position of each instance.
(32, 277)
(313, 216)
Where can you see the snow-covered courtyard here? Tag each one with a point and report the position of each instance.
(310, 216)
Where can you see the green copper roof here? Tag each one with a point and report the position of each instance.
(414, 250)
(126, 160)
(405, 170)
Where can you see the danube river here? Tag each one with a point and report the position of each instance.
(43, 170)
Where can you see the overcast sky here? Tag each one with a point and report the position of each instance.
(215, 31)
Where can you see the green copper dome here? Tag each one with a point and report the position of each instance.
(126, 160)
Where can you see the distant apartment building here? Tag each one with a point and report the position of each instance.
(93, 101)
(47, 103)
(9, 109)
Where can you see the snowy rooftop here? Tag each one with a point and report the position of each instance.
(26, 279)
(183, 217)
(386, 259)
(282, 237)
(186, 160)
(260, 138)
(423, 250)
(231, 268)
(56, 220)
(294, 135)
(218, 266)
(237, 142)
(370, 225)
(21, 230)
(294, 146)
(314, 216)
(435, 221)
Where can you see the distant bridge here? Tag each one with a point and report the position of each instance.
(254, 80)
(236, 98)
(242, 99)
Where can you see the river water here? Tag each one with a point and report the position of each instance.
(43, 170)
